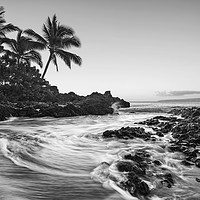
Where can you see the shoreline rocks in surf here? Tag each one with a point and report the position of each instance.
(139, 168)
(69, 105)
(185, 132)
(127, 133)
(136, 172)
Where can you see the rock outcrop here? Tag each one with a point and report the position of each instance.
(137, 167)
(69, 105)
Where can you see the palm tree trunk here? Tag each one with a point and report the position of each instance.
(47, 65)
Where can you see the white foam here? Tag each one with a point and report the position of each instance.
(125, 194)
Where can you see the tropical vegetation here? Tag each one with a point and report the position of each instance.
(56, 38)
(19, 79)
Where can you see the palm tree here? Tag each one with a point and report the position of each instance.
(5, 28)
(56, 38)
(23, 49)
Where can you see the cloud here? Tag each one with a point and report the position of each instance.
(176, 93)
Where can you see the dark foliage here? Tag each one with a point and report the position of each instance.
(23, 83)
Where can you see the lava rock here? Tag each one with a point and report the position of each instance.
(160, 134)
(198, 179)
(157, 162)
(125, 166)
(197, 162)
(127, 133)
(187, 163)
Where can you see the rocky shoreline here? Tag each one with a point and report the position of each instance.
(69, 105)
(138, 167)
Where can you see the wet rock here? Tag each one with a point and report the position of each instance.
(197, 179)
(166, 183)
(125, 166)
(160, 134)
(190, 152)
(157, 162)
(127, 133)
(169, 178)
(187, 113)
(135, 185)
(153, 139)
(187, 163)
(174, 147)
(197, 162)
(109, 133)
(63, 105)
(142, 188)
(166, 128)
(152, 122)
(163, 118)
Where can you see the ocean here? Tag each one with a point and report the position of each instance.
(61, 158)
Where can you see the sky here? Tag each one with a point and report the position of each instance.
(137, 49)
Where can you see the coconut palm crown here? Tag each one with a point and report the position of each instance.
(56, 38)
(4, 28)
(23, 49)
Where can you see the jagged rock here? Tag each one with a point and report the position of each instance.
(160, 134)
(157, 162)
(127, 133)
(126, 166)
(134, 184)
(197, 162)
(74, 105)
(187, 163)
(198, 179)
(166, 183)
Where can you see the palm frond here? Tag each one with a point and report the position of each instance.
(8, 28)
(60, 37)
(54, 25)
(64, 31)
(2, 21)
(11, 43)
(24, 44)
(55, 61)
(34, 56)
(54, 19)
(2, 11)
(35, 35)
(19, 35)
(67, 57)
(36, 45)
(50, 28)
(72, 41)
(48, 23)
(2, 35)
(28, 62)
(47, 35)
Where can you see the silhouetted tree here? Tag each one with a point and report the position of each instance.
(23, 49)
(23, 83)
(4, 28)
(56, 38)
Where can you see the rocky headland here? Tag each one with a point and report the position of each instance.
(66, 105)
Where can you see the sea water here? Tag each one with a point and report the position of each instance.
(61, 158)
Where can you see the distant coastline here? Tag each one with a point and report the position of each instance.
(185, 100)
(179, 100)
